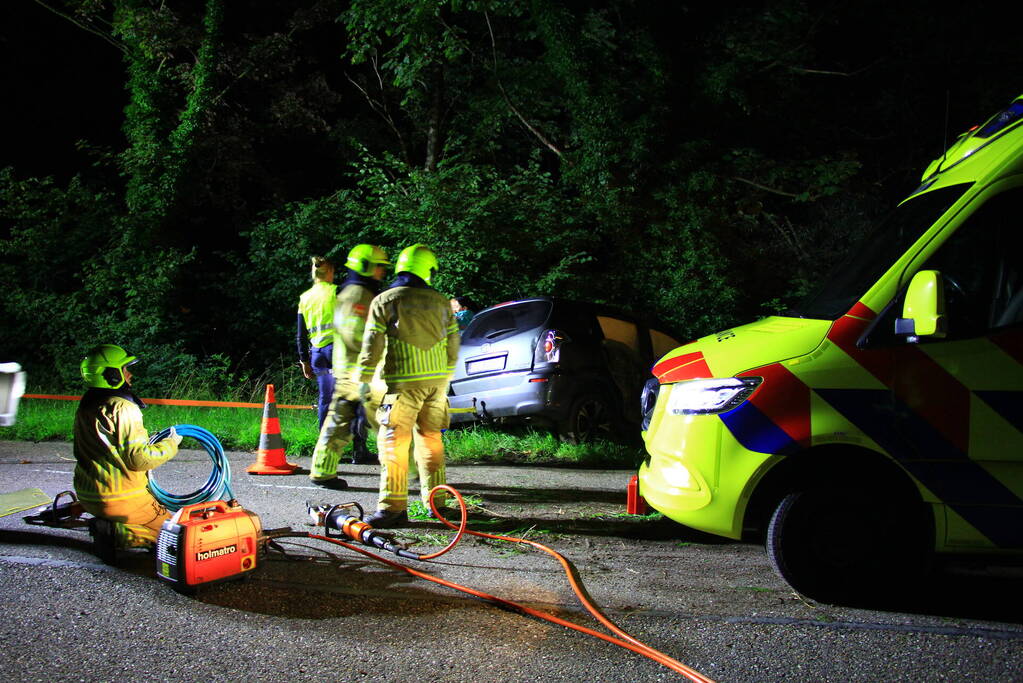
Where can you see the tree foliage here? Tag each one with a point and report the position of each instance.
(700, 163)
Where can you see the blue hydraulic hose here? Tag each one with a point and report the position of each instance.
(217, 487)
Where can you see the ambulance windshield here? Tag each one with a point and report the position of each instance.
(876, 254)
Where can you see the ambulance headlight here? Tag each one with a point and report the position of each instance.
(703, 396)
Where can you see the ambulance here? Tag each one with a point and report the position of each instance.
(881, 422)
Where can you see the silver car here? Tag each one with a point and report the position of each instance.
(574, 367)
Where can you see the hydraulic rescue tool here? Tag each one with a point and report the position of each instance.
(59, 512)
(335, 517)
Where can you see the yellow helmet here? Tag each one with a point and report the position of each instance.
(364, 258)
(419, 260)
(103, 367)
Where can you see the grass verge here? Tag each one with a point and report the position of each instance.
(238, 429)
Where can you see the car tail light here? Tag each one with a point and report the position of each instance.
(548, 348)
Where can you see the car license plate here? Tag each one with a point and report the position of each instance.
(486, 364)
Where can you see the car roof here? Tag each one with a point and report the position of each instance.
(595, 308)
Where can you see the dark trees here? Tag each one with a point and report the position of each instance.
(705, 163)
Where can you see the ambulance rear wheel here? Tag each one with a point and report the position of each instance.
(846, 547)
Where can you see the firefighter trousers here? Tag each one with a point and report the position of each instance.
(336, 431)
(137, 520)
(413, 415)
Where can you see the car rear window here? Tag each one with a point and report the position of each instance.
(502, 321)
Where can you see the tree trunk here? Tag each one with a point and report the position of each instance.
(435, 123)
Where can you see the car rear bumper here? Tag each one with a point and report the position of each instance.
(516, 394)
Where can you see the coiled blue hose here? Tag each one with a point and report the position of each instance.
(217, 487)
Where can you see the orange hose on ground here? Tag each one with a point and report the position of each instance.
(623, 639)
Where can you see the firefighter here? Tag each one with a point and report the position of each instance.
(113, 452)
(412, 327)
(367, 265)
(315, 332)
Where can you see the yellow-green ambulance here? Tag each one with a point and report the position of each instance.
(880, 422)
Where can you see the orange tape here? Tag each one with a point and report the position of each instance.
(175, 402)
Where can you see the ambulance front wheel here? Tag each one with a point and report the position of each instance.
(846, 547)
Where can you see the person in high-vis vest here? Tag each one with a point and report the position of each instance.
(113, 452)
(315, 332)
(367, 265)
(412, 327)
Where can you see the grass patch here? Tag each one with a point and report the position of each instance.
(625, 517)
(42, 421)
(477, 444)
(238, 429)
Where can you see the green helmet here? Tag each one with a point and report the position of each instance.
(103, 367)
(419, 260)
(364, 258)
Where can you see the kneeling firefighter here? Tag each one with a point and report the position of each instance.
(113, 452)
(411, 325)
(367, 265)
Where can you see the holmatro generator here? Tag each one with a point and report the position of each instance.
(208, 542)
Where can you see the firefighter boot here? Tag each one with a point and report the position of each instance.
(104, 539)
(387, 519)
(334, 483)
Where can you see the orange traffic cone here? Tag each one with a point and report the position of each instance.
(635, 504)
(270, 456)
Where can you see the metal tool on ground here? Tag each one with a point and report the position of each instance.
(335, 517)
(64, 510)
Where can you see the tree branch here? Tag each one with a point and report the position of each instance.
(507, 100)
(381, 109)
(765, 188)
(105, 37)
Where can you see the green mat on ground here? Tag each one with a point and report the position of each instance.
(25, 499)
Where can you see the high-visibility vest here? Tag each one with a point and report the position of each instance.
(316, 305)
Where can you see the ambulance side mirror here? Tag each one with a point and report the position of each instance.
(923, 312)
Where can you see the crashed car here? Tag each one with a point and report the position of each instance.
(576, 368)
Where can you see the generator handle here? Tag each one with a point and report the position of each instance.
(189, 511)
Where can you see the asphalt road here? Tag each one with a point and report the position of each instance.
(327, 613)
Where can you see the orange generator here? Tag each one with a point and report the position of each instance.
(206, 543)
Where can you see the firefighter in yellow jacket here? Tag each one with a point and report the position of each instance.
(314, 333)
(412, 327)
(113, 452)
(367, 265)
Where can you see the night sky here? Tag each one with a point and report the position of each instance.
(62, 85)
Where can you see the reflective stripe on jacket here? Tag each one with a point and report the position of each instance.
(415, 331)
(316, 306)
(350, 312)
(112, 449)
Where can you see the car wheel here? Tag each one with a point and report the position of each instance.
(847, 547)
(590, 417)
